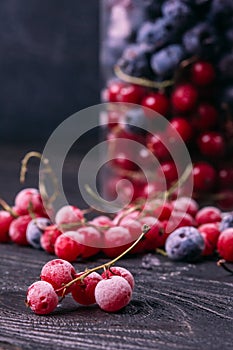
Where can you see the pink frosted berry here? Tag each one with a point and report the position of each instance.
(5, 221)
(29, 199)
(120, 271)
(49, 237)
(83, 291)
(69, 246)
(186, 204)
(41, 298)
(58, 272)
(117, 240)
(102, 220)
(18, 228)
(210, 234)
(134, 227)
(69, 215)
(113, 294)
(92, 241)
(208, 215)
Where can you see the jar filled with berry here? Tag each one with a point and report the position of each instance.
(173, 58)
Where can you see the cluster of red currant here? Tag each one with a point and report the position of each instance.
(111, 291)
(193, 113)
(73, 236)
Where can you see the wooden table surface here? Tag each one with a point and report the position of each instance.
(174, 306)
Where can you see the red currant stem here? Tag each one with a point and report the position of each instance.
(142, 81)
(105, 266)
(25, 161)
(180, 181)
(48, 170)
(7, 208)
(161, 251)
(222, 263)
(188, 62)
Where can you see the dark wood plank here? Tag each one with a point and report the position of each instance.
(174, 306)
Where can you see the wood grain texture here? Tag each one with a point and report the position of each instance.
(174, 306)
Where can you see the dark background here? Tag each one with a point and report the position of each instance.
(48, 65)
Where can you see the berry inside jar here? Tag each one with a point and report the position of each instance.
(170, 59)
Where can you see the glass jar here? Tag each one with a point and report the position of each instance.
(173, 59)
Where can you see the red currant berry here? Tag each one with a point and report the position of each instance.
(114, 90)
(18, 228)
(163, 211)
(212, 144)
(29, 199)
(69, 246)
(131, 94)
(41, 298)
(180, 126)
(184, 98)
(205, 117)
(119, 271)
(5, 221)
(83, 291)
(133, 226)
(58, 272)
(210, 233)
(92, 240)
(179, 219)
(117, 240)
(225, 177)
(169, 171)
(225, 244)
(186, 204)
(225, 201)
(204, 176)
(69, 215)
(158, 102)
(112, 294)
(202, 73)
(49, 237)
(157, 145)
(208, 215)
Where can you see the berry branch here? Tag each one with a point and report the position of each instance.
(142, 81)
(105, 266)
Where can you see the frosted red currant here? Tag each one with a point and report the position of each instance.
(41, 298)
(58, 272)
(83, 291)
(113, 294)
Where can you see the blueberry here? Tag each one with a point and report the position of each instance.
(226, 222)
(185, 244)
(152, 8)
(164, 62)
(135, 117)
(157, 34)
(225, 66)
(178, 11)
(226, 95)
(35, 230)
(135, 61)
(201, 40)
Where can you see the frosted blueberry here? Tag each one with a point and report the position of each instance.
(185, 244)
(35, 229)
(226, 222)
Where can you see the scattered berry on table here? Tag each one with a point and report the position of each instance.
(185, 243)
